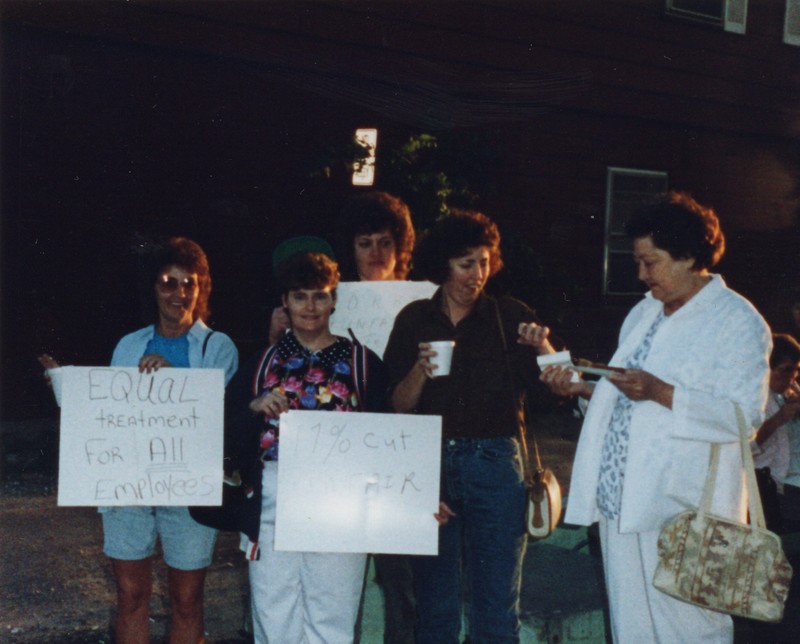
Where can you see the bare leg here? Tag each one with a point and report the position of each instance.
(134, 587)
(186, 601)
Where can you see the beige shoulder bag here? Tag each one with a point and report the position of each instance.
(720, 564)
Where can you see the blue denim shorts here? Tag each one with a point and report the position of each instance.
(129, 533)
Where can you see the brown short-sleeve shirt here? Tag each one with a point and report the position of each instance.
(478, 399)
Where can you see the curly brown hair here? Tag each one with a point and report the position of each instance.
(453, 236)
(187, 255)
(369, 213)
(307, 271)
(682, 227)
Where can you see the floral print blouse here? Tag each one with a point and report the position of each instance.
(319, 380)
(615, 445)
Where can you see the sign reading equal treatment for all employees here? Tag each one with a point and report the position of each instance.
(130, 438)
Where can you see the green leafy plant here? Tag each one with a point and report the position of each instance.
(415, 170)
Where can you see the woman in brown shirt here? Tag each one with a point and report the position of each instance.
(483, 495)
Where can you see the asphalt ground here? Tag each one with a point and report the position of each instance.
(56, 585)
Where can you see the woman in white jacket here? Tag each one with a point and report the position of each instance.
(690, 349)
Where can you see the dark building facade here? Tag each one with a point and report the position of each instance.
(126, 120)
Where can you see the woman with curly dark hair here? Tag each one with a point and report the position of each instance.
(374, 242)
(690, 350)
(374, 238)
(482, 510)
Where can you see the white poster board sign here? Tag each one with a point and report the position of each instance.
(369, 309)
(358, 482)
(130, 438)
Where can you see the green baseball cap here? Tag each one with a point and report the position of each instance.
(303, 244)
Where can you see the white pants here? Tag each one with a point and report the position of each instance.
(301, 597)
(642, 614)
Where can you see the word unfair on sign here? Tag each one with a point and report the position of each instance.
(130, 438)
(358, 482)
(369, 309)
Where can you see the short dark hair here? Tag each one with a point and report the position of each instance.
(453, 236)
(369, 213)
(784, 349)
(682, 227)
(307, 271)
(186, 254)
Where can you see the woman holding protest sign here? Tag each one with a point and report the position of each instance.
(374, 241)
(176, 291)
(297, 596)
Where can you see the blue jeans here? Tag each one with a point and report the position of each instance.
(481, 548)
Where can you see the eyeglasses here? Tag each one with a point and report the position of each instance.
(169, 284)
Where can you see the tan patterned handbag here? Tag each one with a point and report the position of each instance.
(721, 564)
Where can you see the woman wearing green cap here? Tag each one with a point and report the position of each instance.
(279, 320)
(298, 596)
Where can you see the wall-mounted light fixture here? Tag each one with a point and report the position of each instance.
(364, 172)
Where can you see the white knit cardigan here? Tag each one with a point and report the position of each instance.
(715, 351)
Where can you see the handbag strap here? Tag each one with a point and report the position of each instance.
(205, 345)
(753, 496)
(523, 441)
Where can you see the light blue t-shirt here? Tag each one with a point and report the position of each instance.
(174, 350)
(218, 353)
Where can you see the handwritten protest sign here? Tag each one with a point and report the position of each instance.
(130, 438)
(358, 482)
(369, 309)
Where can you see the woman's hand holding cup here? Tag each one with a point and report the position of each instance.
(436, 357)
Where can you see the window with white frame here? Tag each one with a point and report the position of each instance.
(626, 190)
(791, 23)
(729, 14)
